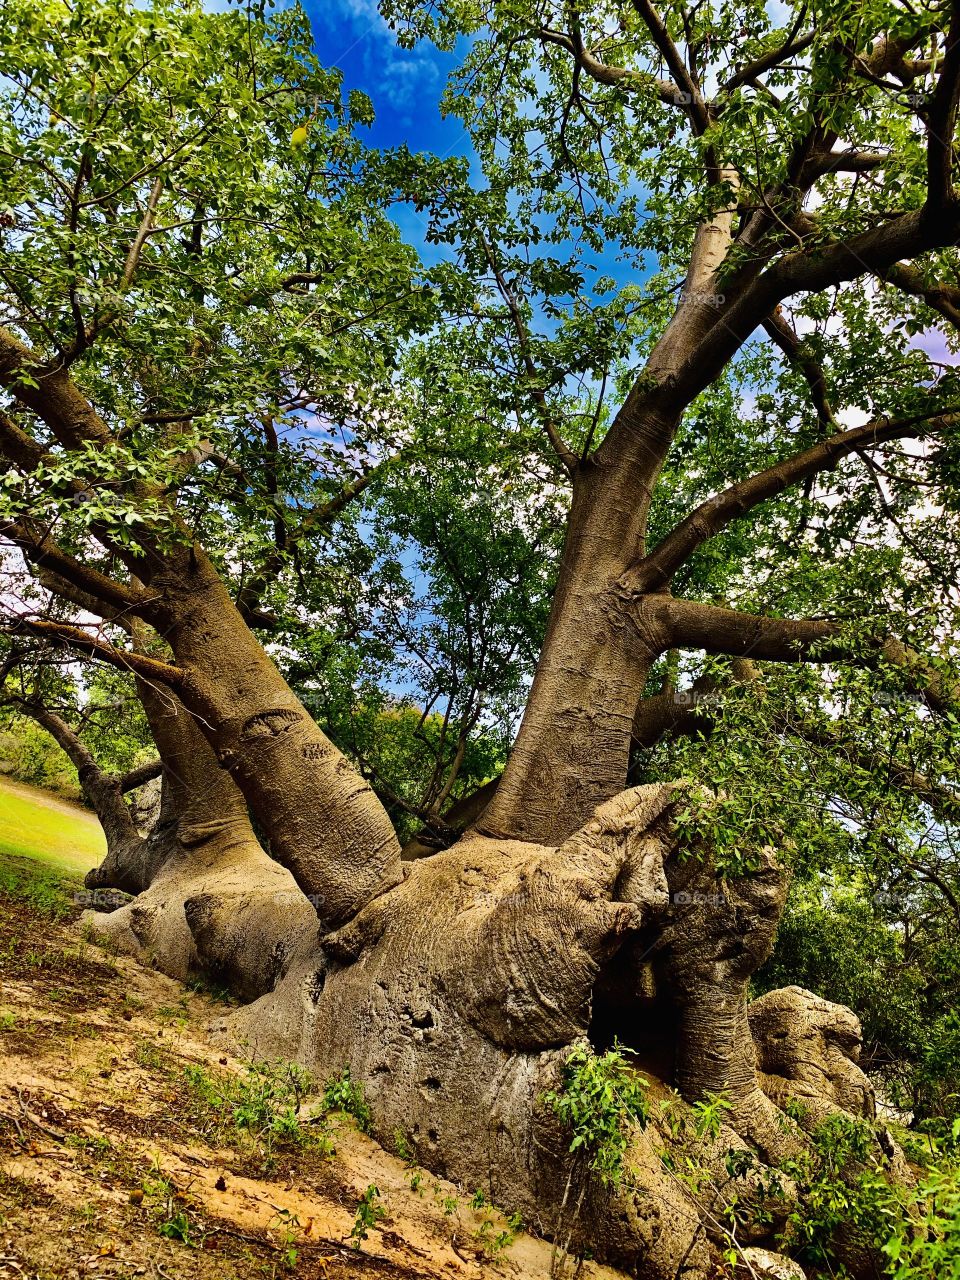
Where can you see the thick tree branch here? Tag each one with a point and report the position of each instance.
(712, 516)
(48, 390)
(18, 447)
(604, 73)
(697, 108)
(43, 552)
(686, 624)
(825, 162)
(767, 61)
(674, 713)
(75, 637)
(140, 775)
(806, 271)
(941, 297)
(65, 737)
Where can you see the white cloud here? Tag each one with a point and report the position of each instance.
(400, 78)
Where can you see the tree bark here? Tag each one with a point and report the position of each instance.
(321, 819)
(457, 996)
(210, 902)
(573, 747)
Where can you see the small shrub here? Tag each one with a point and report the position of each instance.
(369, 1213)
(264, 1104)
(841, 1182)
(924, 1241)
(268, 1101)
(404, 1148)
(602, 1099)
(341, 1093)
(177, 1227)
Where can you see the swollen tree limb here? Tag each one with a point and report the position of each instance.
(873, 251)
(716, 630)
(48, 390)
(140, 775)
(18, 447)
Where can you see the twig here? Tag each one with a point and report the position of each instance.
(51, 1133)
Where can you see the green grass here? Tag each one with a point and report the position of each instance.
(61, 836)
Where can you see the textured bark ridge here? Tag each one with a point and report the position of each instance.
(322, 821)
(217, 906)
(809, 1049)
(455, 998)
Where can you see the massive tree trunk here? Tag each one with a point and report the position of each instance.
(210, 902)
(456, 997)
(455, 986)
(573, 748)
(322, 821)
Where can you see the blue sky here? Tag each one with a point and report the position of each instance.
(405, 85)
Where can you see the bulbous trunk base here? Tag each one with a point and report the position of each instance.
(456, 998)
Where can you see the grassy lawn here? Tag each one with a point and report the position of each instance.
(37, 825)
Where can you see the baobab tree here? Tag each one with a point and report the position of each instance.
(201, 282)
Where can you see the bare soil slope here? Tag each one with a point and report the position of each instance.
(129, 1146)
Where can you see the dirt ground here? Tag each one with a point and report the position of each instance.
(121, 1153)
